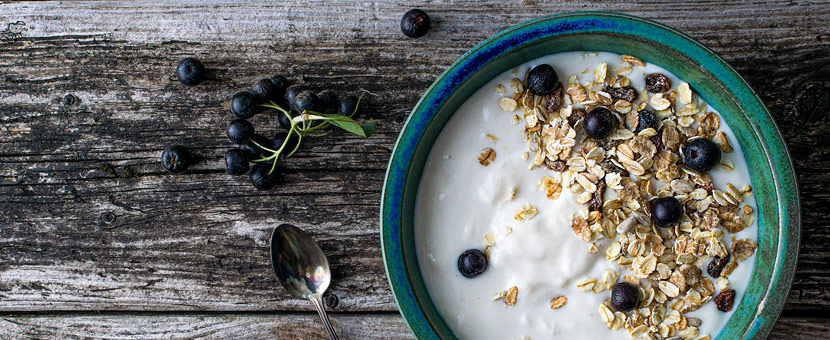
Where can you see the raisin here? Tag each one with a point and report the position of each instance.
(576, 116)
(657, 83)
(725, 300)
(555, 98)
(657, 139)
(595, 204)
(609, 166)
(608, 144)
(646, 119)
(627, 93)
(717, 265)
(557, 165)
(709, 187)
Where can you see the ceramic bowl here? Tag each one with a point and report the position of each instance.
(771, 170)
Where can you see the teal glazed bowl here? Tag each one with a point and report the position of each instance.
(771, 170)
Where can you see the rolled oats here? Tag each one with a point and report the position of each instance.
(558, 302)
(486, 156)
(685, 93)
(508, 104)
(527, 212)
(510, 297)
(586, 285)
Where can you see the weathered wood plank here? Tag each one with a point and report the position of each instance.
(198, 241)
(262, 326)
(202, 326)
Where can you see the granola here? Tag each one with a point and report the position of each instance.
(637, 164)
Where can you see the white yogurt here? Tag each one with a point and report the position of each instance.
(459, 201)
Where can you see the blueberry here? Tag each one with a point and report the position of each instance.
(701, 154)
(291, 93)
(244, 104)
(261, 178)
(542, 79)
(599, 123)
(284, 121)
(306, 101)
(472, 263)
(236, 163)
(190, 71)
(646, 119)
(266, 90)
(239, 131)
(666, 212)
(251, 150)
(348, 104)
(281, 83)
(415, 23)
(175, 158)
(624, 296)
(279, 138)
(327, 100)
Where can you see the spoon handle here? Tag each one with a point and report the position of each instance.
(318, 303)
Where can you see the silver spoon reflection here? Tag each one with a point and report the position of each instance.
(301, 267)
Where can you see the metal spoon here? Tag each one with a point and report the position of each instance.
(301, 267)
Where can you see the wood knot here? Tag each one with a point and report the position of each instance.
(69, 100)
(331, 300)
(107, 217)
(812, 106)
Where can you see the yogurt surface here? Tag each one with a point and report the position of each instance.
(460, 202)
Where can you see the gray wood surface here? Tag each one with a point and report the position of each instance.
(91, 223)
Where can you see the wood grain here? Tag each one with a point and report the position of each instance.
(264, 326)
(91, 222)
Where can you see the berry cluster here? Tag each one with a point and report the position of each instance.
(301, 112)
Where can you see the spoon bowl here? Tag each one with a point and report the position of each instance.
(301, 268)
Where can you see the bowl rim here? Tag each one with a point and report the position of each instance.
(789, 211)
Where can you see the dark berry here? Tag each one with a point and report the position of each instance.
(542, 79)
(244, 104)
(701, 154)
(281, 83)
(327, 100)
(285, 120)
(175, 158)
(348, 104)
(306, 101)
(266, 90)
(251, 150)
(239, 131)
(236, 163)
(190, 71)
(279, 138)
(599, 123)
(646, 119)
(657, 83)
(624, 296)
(261, 178)
(472, 263)
(291, 93)
(666, 212)
(415, 23)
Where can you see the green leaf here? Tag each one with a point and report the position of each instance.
(368, 128)
(348, 124)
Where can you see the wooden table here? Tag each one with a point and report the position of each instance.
(97, 240)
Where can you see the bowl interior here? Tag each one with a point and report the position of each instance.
(717, 83)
